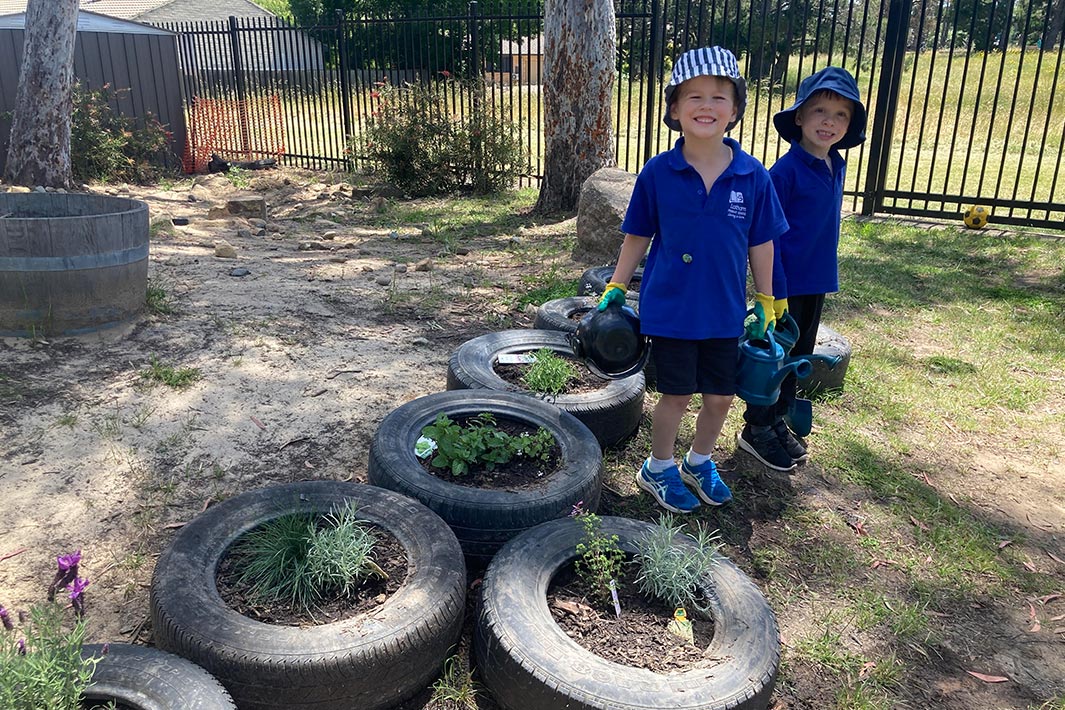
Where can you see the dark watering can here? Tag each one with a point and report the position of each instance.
(609, 342)
(763, 366)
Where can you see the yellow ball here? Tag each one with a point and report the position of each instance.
(976, 217)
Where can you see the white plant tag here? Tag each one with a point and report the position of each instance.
(424, 447)
(516, 358)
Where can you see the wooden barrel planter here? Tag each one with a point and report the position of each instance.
(71, 263)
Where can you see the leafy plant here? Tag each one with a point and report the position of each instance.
(417, 143)
(675, 572)
(599, 558)
(549, 373)
(168, 375)
(42, 663)
(158, 301)
(107, 146)
(304, 558)
(238, 177)
(481, 444)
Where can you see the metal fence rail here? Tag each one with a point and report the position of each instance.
(959, 94)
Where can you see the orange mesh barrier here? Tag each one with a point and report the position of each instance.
(235, 129)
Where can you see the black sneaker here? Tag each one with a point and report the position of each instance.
(788, 442)
(762, 443)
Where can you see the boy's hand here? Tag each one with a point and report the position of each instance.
(613, 293)
(780, 307)
(764, 316)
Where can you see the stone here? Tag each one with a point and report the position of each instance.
(379, 204)
(338, 259)
(224, 250)
(401, 268)
(424, 265)
(310, 246)
(19, 188)
(251, 206)
(331, 234)
(462, 251)
(244, 233)
(384, 280)
(256, 222)
(600, 211)
(420, 341)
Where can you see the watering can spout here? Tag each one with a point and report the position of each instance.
(800, 366)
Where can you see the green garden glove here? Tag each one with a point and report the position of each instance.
(613, 293)
(780, 307)
(764, 317)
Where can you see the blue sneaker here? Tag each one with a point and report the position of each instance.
(707, 484)
(667, 489)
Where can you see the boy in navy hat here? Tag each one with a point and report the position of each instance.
(827, 117)
(707, 210)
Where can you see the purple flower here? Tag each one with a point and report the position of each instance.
(77, 600)
(577, 509)
(105, 649)
(66, 562)
(5, 618)
(21, 647)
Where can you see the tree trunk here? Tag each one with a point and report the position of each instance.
(580, 48)
(39, 151)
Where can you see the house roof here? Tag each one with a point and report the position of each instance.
(138, 9)
(87, 22)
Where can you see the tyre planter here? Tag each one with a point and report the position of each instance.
(370, 661)
(611, 412)
(594, 280)
(830, 344)
(484, 518)
(529, 663)
(144, 678)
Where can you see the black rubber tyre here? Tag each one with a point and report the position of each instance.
(370, 661)
(483, 519)
(824, 379)
(146, 678)
(595, 279)
(612, 412)
(560, 314)
(529, 663)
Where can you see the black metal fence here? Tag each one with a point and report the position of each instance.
(960, 94)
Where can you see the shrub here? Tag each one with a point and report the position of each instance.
(481, 443)
(419, 145)
(549, 373)
(304, 558)
(107, 146)
(599, 558)
(671, 572)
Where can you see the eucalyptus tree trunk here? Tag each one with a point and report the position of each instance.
(39, 149)
(580, 48)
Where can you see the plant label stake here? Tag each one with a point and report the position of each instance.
(614, 596)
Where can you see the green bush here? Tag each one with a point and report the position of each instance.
(675, 573)
(599, 557)
(549, 373)
(417, 144)
(481, 443)
(107, 146)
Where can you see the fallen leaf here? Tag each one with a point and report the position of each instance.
(1038, 523)
(858, 527)
(1055, 557)
(867, 668)
(571, 608)
(918, 523)
(1028, 564)
(171, 526)
(1035, 628)
(1060, 630)
(1004, 543)
(929, 612)
(257, 422)
(1059, 617)
(12, 554)
(988, 678)
(1031, 611)
(1049, 598)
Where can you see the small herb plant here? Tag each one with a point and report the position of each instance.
(455, 688)
(304, 558)
(549, 373)
(41, 661)
(599, 558)
(479, 443)
(178, 378)
(675, 572)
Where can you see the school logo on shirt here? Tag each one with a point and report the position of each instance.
(736, 208)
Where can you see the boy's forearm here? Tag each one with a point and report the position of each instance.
(632, 250)
(761, 258)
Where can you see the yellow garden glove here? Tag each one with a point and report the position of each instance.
(780, 307)
(613, 293)
(764, 316)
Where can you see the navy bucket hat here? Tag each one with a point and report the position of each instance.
(706, 61)
(832, 79)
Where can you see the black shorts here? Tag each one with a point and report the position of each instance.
(690, 366)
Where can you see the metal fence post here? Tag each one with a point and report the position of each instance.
(887, 99)
(242, 89)
(652, 74)
(345, 85)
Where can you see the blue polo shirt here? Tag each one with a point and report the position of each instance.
(812, 198)
(694, 282)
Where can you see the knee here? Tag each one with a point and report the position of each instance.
(717, 404)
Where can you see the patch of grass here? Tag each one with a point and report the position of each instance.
(239, 177)
(158, 301)
(178, 378)
(455, 688)
(67, 419)
(547, 285)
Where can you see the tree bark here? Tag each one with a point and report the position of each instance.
(39, 150)
(580, 48)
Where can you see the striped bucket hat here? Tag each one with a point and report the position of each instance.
(706, 61)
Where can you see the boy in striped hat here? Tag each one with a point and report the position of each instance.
(707, 211)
